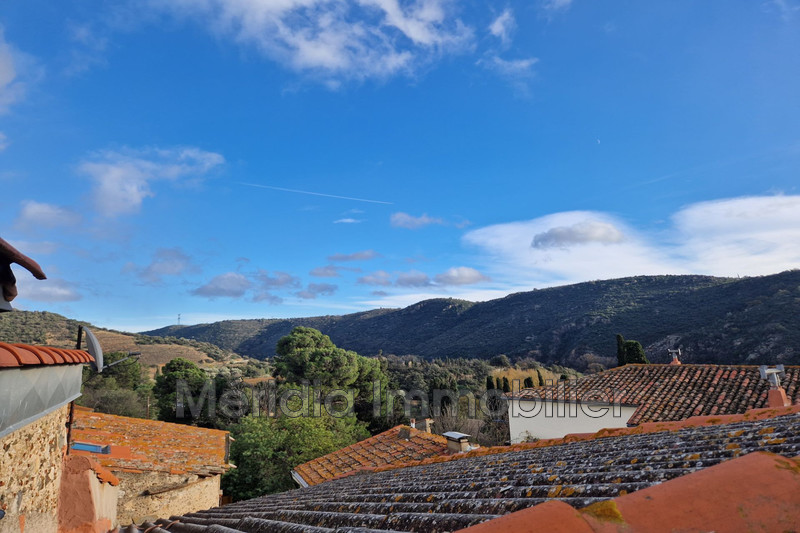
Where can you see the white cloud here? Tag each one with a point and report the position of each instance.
(404, 220)
(503, 26)
(35, 215)
(3, 141)
(122, 179)
(336, 39)
(585, 232)
(317, 289)
(228, 285)
(280, 280)
(739, 236)
(165, 262)
(48, 290)
(380, 278)
(748, 236)
(331, 271)
(17, 72)
(348, 221)
(460, 276)
(413, 278)
(363, 255)
(510, 256)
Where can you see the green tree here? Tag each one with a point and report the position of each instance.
(620, 350)
(185, 372)
(265, 450)
(307, 354)
(500, 361)
(634, 353)
(506, 385)
(528, 384)
(489, 383)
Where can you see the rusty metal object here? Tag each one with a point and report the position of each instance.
(9, 255)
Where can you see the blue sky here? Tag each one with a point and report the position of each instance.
(264, 158)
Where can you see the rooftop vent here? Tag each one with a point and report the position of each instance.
(675, 356)
(457, 442)
(777, 395)
(425, 425)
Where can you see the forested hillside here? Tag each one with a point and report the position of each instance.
(715, 320)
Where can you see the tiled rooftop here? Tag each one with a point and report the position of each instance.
(467, 489)
(400, 444)
(673, 392)
(16, 355)
(139, 445)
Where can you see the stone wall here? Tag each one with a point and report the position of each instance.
(187, 494)
(30, 474)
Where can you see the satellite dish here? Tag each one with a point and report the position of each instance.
(93, 347)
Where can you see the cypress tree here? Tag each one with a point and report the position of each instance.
(490, 383)
(620, 350)
(529, 382)
(506, 385)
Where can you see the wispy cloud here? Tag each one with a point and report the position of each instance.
(18, 71)
(3, 141)
(36, 215)
(404, 220)
(340, 40)
(331, 271)
(413, 278)
(503, 26)
(380, 278)
(165, 262)
(348, 221)
(325, 195)
(123, 179)
(555, 6)
(363, 255)
(517, 72)
(50, 290)
(88, 48)
(787, 9)
(279, 280)
(228, 285)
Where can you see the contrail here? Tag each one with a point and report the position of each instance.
(312, 193)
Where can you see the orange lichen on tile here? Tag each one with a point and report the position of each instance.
(399, 445)
(138, 445)
(650, 427)
(756, 492)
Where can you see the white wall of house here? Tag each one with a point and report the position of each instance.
(545, 419)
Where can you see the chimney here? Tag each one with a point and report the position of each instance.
(413, 423)
(777, 395)
(426, 425)
(675, 355)
(457, 442)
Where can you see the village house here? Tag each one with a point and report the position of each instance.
(634, 394)
(398, 445)
(162, 468)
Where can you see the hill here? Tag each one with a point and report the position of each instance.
(51, 329)
(715, 320)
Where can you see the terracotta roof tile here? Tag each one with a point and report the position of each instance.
(16, 355)
(379, 450)
(454, 493)
(673, 392)
(137, 444)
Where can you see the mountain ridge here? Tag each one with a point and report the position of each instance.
(752, 320)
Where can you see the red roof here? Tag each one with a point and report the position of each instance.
(673, 392)
(139, 445)
(398, 445)
(15, 355)
(756, 492)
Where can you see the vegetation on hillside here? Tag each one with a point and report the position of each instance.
(714, 320)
